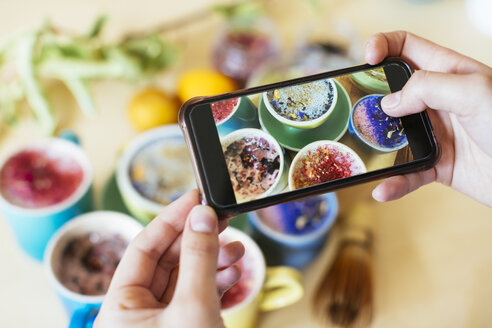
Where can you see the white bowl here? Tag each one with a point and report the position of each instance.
(241, 133)
(358, 165)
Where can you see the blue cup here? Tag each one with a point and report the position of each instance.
(33, 227)
(245, 116)
(82, 309)
(302, 231)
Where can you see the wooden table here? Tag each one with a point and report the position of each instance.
(433, 249)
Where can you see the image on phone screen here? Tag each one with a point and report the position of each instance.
(310, 133)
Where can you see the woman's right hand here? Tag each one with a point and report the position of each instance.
(458, 90)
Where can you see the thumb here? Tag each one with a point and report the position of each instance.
(426, 89)
(198, 259)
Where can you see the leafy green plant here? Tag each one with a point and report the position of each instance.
(76, 60)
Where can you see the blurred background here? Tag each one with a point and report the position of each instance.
(431, 251)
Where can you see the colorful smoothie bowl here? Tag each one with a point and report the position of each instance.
(374, 127)
(43, 185)
(298, 218)
(224, 110)
(255, 162)
(302, 106)
(234, 114)
(81, 257)
(154, 170)
(295, 139)
(323, 161)
(294, 233)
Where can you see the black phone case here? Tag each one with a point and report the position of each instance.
(232, 210)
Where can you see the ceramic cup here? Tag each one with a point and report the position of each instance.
(81, 308)
(33, 227)
(244, 115)
(308, 160)
(371, 81)
(230, 114)
(268, 288)
(280, 181)
(294, 233)
(140, 206)
(295, 139)
(271, 96)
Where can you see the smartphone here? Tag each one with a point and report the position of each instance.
(285, 141)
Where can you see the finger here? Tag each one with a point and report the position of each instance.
(171, 286)
(225, 279)
(139, 262)
(198, 260)
(440, 91)
(398, 186)
(168, 261)
(230, 254)
(223, 224)
(421, 53)
(132, 297)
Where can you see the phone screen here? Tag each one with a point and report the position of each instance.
(301, 135)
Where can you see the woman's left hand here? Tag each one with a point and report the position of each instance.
(174, 272)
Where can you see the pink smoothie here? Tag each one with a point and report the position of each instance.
(37, 178)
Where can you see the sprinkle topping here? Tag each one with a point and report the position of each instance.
(323, 164)
(302, 102)
(222, 109)
(375, 126)
(253, 165)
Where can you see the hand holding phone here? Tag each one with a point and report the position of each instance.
(276, 143)
(458, 89)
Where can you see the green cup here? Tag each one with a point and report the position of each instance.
(309, 124)
(141, 207)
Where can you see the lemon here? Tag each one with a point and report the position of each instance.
(150, 108)
(203, 82)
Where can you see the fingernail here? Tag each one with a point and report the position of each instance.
(376, 194)
(391, 100)
(202, 219)
(368, 54)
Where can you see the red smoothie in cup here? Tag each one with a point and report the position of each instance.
(36, 178)
(222, 109)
